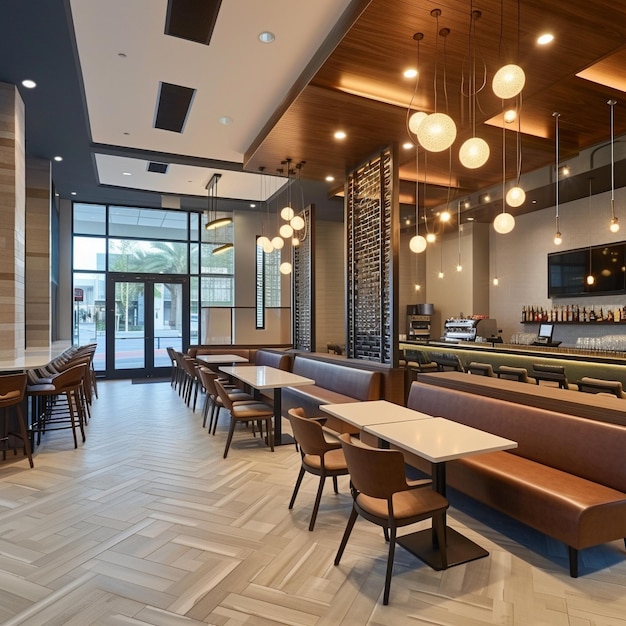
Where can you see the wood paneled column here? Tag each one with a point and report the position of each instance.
(38, 262)
(12, 222)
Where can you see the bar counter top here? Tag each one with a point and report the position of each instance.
(34, 357)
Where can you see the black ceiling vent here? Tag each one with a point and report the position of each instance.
(192, 19)
(158, 168)
(173, 107)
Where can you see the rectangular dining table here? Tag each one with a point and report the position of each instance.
(362, 414)
(440, 440)
(265, 377)
(220, 359)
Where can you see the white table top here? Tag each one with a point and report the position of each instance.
(361, 414)
(439, 439)
(265, 377)
(33, 358)
(216, 359)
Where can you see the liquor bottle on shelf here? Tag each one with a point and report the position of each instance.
(592, 315)
(600, 316)
(617, 315)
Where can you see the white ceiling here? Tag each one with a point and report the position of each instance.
(235, 76)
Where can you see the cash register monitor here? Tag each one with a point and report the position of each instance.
(544, 335)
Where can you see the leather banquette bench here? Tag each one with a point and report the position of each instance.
(334, 384)
(566, 478)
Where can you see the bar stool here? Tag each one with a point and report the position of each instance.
(56, 414)
(519, 374)
(12, 391)
(480, 369)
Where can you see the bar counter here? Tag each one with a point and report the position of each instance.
(34, 357)
(603, 364)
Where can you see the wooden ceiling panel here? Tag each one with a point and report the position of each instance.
(374, 52)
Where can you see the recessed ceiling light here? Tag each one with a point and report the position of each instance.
(544, 39)
(267, 37)
(126, 174)
(407, 145)
(126, 133)
(29, 84)
(73, 193)
(252, 205)
(122, 55)
(470, 219)
(410, 73)
(330, 179)
(226, 120)
(58, 158)
(340, 134)
(534, 202)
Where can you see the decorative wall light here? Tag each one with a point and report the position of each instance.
(437, 131)
(474, 152)
(614, 224)
(558, 239)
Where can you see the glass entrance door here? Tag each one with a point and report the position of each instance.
(145, 316)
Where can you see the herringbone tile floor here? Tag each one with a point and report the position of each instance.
(146, 523)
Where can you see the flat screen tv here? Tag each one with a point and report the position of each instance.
(568, 271)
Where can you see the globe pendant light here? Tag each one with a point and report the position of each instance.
(504, 222)
(515, 196)
(416, 120)
(474, 152)
(285, 231)
(508, 81)
(287, 213)
(297, 222)
(277, 242)
(285, 268)
(437, 131)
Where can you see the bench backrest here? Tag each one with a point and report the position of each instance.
(356, 383)
(586, 448)
(281, 361)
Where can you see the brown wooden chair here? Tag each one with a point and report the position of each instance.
(212, 402)
(258, 412)
(12, 391)
(319, 456)
(382, 495)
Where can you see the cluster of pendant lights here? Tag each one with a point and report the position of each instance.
(289, 230)
(437, 131)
